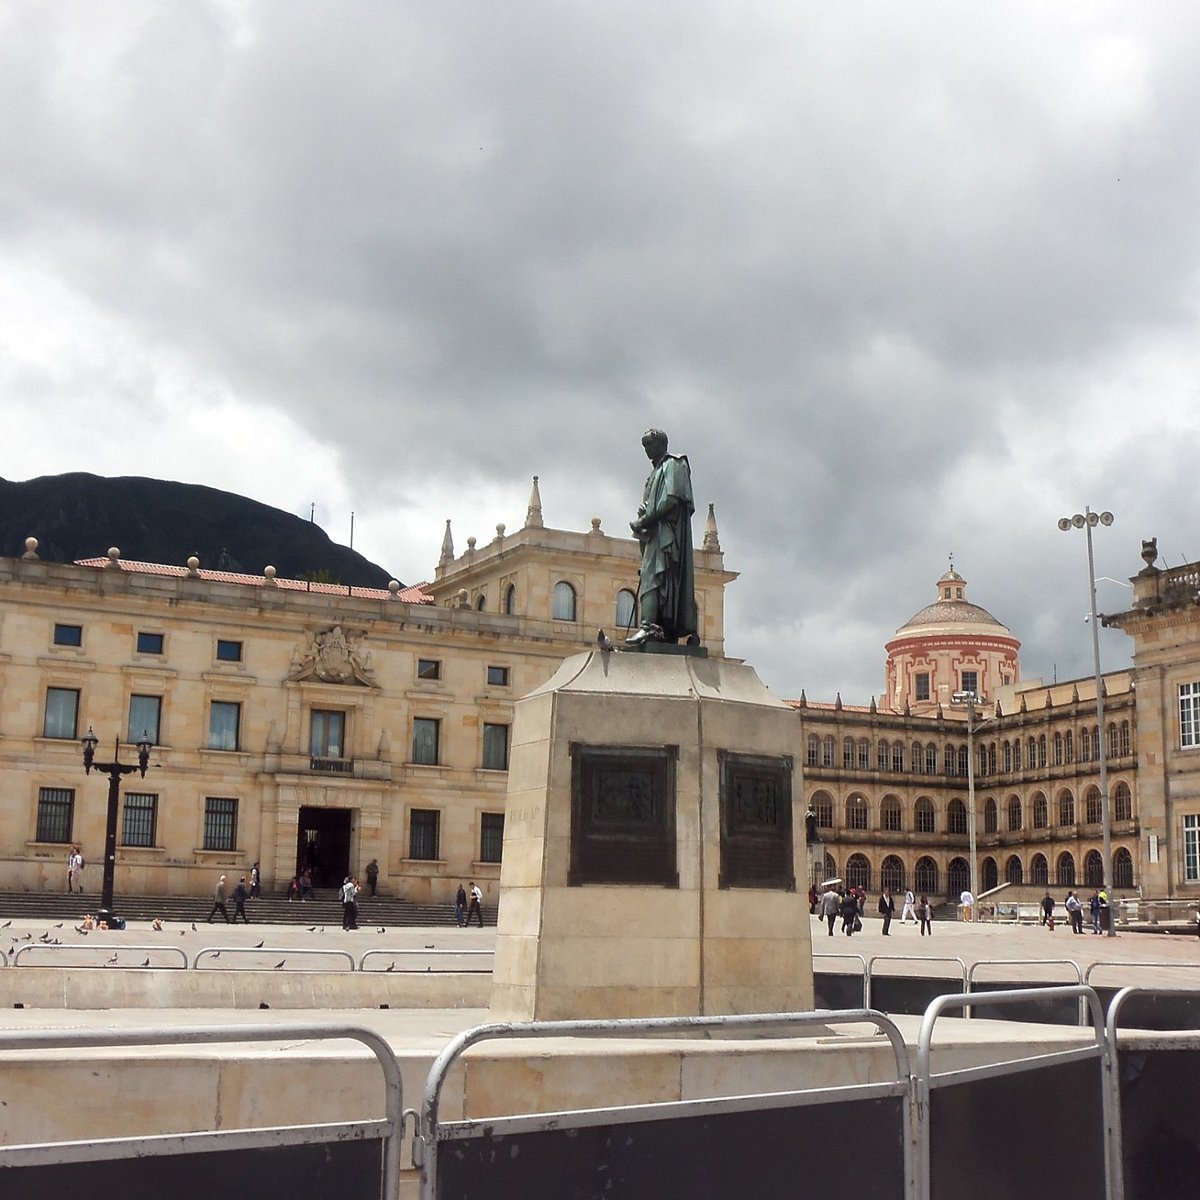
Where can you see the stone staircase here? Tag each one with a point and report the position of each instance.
(267, 910)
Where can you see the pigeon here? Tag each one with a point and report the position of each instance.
(312, 929)
(429, 946)
(111, 961)
(5, 925)
(59, 925)
(392, 967)
(193, 926)
(381, 929)
(216, 954)
(146, 963)
(279, 964)
(259, 946)
(604, 641)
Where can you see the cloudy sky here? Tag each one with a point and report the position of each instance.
(902, 279)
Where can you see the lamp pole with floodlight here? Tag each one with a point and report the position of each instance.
(114, 770)
(1087, 521)
(969, 700)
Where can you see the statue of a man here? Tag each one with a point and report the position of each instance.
(666, 588)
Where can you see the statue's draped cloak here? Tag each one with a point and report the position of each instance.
(667, 563)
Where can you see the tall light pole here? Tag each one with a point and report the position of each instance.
(968, 700)
(114, 770)
(1087, 521)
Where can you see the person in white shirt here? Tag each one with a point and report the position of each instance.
(473, 908)
(909, 909)
(968, 903)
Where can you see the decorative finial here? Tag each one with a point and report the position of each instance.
(114, 556)
(394, 586)
(447, 547)
(533, 514)
(712, 539)
(269, 576)
(193, 566)
(31, 545)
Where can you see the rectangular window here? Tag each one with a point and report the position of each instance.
(897, 756)
(922, 685)
(68, 635)
(426, 732)
(864, 755)
(1189, 715)
(1191, 848)
(228, 651)
(224, 719)
(423, 833)
(328, 734)
(141, 819)
(970, 681)
(930, 759)
(491, 837)
(497, 676)
(220, 823)
(495, 747)
(149, 643)
(429, 668)
(62, 713)
(144, 714)
(56, 808)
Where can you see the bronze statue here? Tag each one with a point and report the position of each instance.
(666, 587)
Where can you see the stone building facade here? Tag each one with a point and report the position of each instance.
(294, 724)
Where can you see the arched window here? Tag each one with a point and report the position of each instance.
(626, 604)
(1114, 741)
(950, 759)
(1122, 802)
(510, 600)
(1058, 750)
(990, 875)
(958, 877)
(830, 867)
(991, 758)
(827, 750)
(891, 873)
(1066, 807)
(964, 761)
(891, 818)
(1008, 756)
(856, 812)
(858, 872)
(931, 759)
(1069, 746)
(1016, 754)
(918, 758)
(1093, 869)
(1041, 811)
(884, 755)
(925, 877)
(956, 817)
(1085, 744)
(1065, 870)
(924, 815)
(897, 755)
(1124, 739)
(1041, 751)
(1013, 871)
(989, 816)
(1122, 868)
(1014, 813)
(982, 768)
(1039, 870)
(1092, 808)
(1031, 753)
(564, 601)
(814, 750)
(864, 755)
(481, 603)
(822, 805)
(848, 754)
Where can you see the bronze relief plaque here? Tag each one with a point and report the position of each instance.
(756, 822)
(623, 815)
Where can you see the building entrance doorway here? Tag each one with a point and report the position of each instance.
(323, 845)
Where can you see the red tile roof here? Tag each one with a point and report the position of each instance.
(416, 594)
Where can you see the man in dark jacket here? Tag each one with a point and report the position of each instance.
(887, 909)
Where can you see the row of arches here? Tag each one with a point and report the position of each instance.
(893, 816)
(925, 877)
(564, 604)
(952, 759)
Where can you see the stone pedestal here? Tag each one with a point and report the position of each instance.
(654, 858)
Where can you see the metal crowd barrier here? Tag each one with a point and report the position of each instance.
(402, 956)
(862, 962)
(869, 970)
(135, 1165)
(211, 953)
(113, 954)
(751, 1144)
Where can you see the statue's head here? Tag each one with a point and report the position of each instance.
(655, 443)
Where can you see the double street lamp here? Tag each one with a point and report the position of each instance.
(1087, 521)
(114, 770)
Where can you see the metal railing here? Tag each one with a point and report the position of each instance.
(869, 970)
(212, 953)
(113, 953)
(407, 956)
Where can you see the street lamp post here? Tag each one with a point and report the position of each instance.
(114, 770)
(1087, 521)
(968, 700)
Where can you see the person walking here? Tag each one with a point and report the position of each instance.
(1048, 909)
(474, 909)
(849, 908)
(219, 902)
(909, 909)
(967, 902)
(830, 904)
(255, 882)
(241, 893)
(925, 916)
(460, 906)
(74, 869)
(1094, 911)
(349, 904)
(887, 909)
(1074, 912)
(1105, 915)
